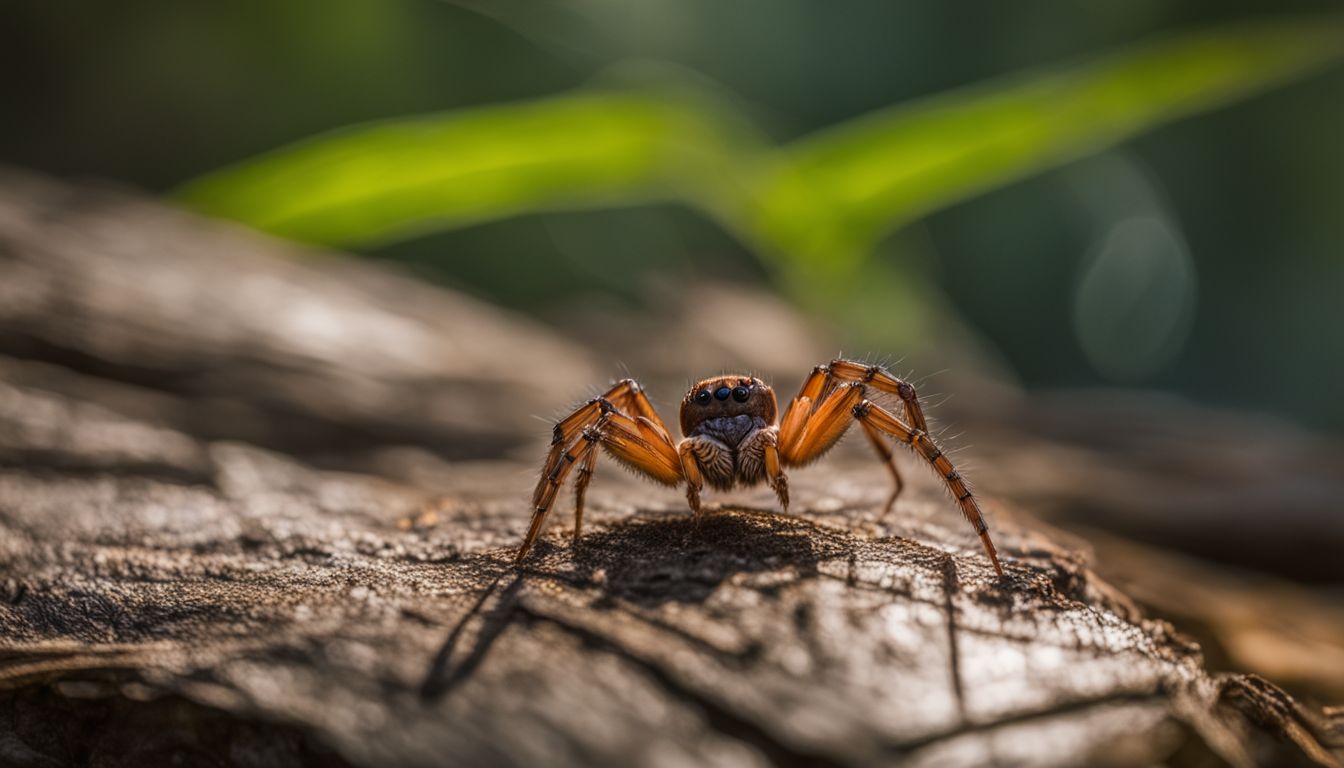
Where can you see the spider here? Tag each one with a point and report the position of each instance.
(732, 438)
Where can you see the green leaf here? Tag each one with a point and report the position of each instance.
(823, 201)
(832, 195)
(394, 179)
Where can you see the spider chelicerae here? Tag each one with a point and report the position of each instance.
(733, 438)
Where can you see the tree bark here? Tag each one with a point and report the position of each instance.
(227, 538)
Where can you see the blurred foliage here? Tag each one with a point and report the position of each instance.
(815, 208)
(373, 183)
(823, 201)
(841, 191)
(1201, 257)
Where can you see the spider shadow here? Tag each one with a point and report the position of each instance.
(488, 617)
(681, 559)
(648, 561)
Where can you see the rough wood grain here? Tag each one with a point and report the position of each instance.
(388, 623)
(176, 587)
(238, 336)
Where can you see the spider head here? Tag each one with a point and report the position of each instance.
(729, 396)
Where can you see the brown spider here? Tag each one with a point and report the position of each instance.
(732, 438)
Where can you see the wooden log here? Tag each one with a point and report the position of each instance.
(235, 336)
(177, 588)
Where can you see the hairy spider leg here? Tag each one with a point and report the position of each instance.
(637, 443)
(882, 380)
(820, 384)
(810, 428)
(629, 397)
(548, 485)
(824, 379)
(774, 469)
(625, 396)
(587, 465)
(888, 457)
(919, 441)
(690, 469)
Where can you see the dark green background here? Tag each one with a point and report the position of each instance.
(153, 93)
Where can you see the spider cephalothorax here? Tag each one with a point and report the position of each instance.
(729, 422)
(731, 438)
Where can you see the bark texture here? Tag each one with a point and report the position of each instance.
(229, 534)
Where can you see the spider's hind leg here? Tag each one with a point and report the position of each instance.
(834, 396)
(871, 414)
(587, 464)
(888, 457)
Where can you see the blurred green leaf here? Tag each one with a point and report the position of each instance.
(394, 179)
(835, 193)
(823, 201)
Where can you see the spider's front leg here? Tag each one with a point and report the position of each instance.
(834, 396)
(640, 442)
(827, 381)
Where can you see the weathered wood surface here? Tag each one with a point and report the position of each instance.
(389, 622)
(223, 542)
(238, 337)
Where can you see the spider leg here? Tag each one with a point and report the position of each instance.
(625, 396)
(800, 408)
(629, 396)
(817, 429)
(566, 431)
(651, 430)
(822, 428)
(824, 381)
(549, 483)
(586, 468)
(774, 474)
(888, 457)
(819, 416)
(882, 380)
(919, 441)
(640, 443)
(695, 478)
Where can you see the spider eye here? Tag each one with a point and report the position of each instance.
(721, 393)
(741, 393)
(702, 397)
